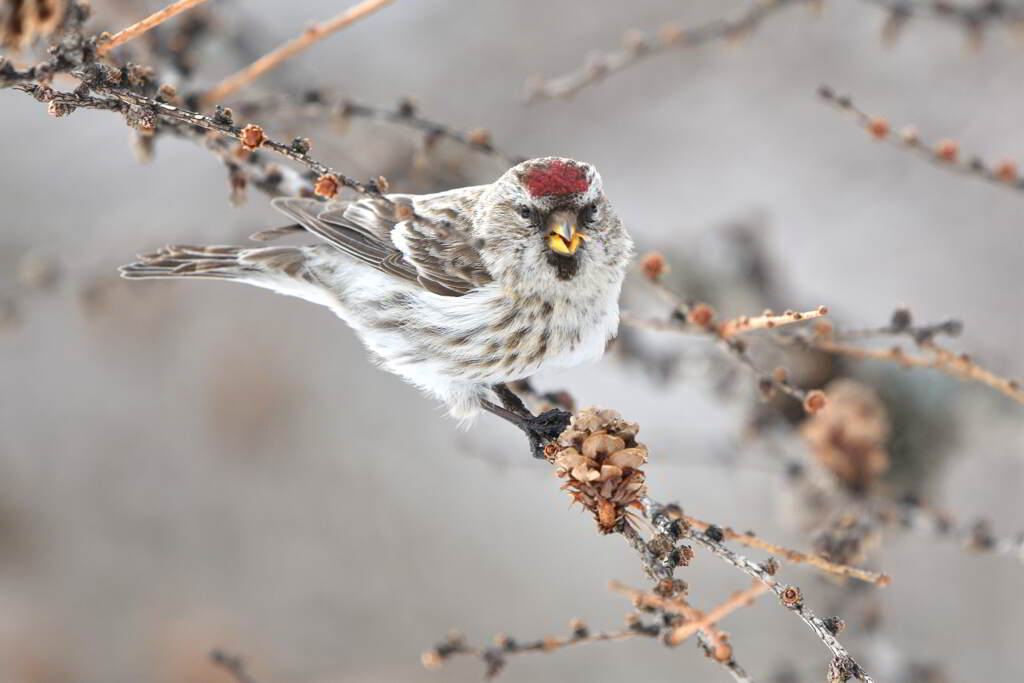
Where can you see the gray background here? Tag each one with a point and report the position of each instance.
(190, 465)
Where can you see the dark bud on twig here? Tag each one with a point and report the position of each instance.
(834, 625)
(682, 556)
(668, 588)
(900, 320)
(659, 546)
(842, 669)
(58, 109)
(223, 115)
(166, 93)
(494, 661)
(677, 528)
(141, 118)
(579, 629)
(407, 107)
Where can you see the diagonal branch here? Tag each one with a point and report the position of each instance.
(945, 153)
(272, 59)
(637, 48)
(662, 518)
(107, 44)
(795, 556)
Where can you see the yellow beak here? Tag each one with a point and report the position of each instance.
(563, 238)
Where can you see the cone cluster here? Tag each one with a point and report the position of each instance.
(600, 459)
(849, 435)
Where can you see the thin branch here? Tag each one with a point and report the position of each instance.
(272, 59)
(662, 518)
(973, 17)
(960, 366)
(638, 48)
(494, 658)
(106, 44)
(688, 317)
(697, 620)
(795, 556)
(251, 136)
(318, 105)
(945, 154)
(767, 321)
(975, 536)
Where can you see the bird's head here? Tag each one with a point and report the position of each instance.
(547, 223)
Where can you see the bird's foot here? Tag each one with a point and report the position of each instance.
(539, 429)
(544, 428)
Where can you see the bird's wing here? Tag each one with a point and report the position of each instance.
(435, 251)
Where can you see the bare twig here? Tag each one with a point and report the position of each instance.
(960, 366)
(319, 105)
(795, 556)
(697, 620)
(251, 136)
(767, 321)
(945, 153)
(106, 44)
(495, 657)
(233, 665)
(668, 520)
(637, 48)
(689, 317)
(973, 17)
(273, 58)
(976, 536)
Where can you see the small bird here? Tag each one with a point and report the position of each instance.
(457, 292)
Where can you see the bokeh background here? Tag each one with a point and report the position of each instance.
(191, 465)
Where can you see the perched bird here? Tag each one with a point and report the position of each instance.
(458, 292)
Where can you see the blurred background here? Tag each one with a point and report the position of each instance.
(192, 465)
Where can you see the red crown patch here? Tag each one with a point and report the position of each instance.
(556, 178)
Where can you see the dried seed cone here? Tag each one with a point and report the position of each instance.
(600, 459)
(849, 435)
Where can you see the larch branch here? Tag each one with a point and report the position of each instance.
(311, 35)
(140, 27)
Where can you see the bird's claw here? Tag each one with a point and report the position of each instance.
(544, 428)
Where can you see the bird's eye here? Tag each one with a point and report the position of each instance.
(589, 213)
(525, 211)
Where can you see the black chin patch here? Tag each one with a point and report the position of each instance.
(565, 265)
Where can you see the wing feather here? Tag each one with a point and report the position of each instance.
(438, 254)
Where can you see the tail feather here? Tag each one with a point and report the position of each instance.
(220, 261)
(284, 269)
(217, 261)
